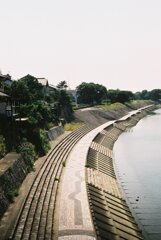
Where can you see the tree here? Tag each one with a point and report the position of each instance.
(124, 96)
(39, 114)
(100, 93)
(62, 103)
(91, 93)
(144, 95)
(155, 94)
(20, 92)
(26, 90)
(137, 95)
(112, 95)
(119, 96)
(62, 85)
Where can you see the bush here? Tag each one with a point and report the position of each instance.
(44, 141)
(2, 146)
(28, 153)
(72, 126)
(11, 194)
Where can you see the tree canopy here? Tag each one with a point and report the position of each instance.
(62, 102)
(154, 95)
(119, 96)
(91, 93)
(26, 90)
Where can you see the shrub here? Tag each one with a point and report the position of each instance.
(72, 126)
(28, 153)
(44, 141)
(64, 164)
(2, 146)
(11, 194)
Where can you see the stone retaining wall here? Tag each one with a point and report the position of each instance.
(54, 132)
(13, 170)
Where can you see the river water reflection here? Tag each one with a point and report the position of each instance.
(137, 157)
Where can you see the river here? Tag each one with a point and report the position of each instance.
(137, 160)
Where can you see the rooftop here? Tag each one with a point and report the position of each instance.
(43, 81)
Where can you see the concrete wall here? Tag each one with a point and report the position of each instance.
(13, 172)
(54, 132)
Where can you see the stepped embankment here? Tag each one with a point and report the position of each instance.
(95, 116)
(111, 215)
(101, 145)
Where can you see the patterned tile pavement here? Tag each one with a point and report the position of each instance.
(75, 219)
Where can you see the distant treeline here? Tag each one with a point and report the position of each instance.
(91, 93)
(39, 109)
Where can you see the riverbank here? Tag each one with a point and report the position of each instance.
(110, 212)
(15, 209)
(137, 161)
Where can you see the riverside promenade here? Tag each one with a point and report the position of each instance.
(75, 222)
(59, 205)
(75, 218)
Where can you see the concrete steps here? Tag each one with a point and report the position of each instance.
(112, 217)
(36, 218)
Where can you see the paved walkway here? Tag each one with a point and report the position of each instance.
(75, 219)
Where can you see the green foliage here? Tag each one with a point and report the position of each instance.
(113, 106)
(91, 93)
(154, 95)
(72, 126)
(62, 85)
(39, 114)
(119, 96)
(28, 153)
(124, 96)
(2, 146)
(26, 90)
(11, 194)
(43, 141)
(62, 106)
(64, 164)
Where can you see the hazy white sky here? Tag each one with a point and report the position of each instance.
(116, 43)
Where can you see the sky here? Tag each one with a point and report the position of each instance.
(116, 43)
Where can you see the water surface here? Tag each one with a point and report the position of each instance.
(137, 157)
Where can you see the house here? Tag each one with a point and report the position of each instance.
(4, 102)
(4, 80)
(45, 84)
(47, 88)
(4, 98)
(52, 88)
(7, 105)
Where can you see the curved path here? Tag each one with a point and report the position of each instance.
(75, 219)
(39, 212)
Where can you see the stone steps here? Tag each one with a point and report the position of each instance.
(36, 218)
(112, 217)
